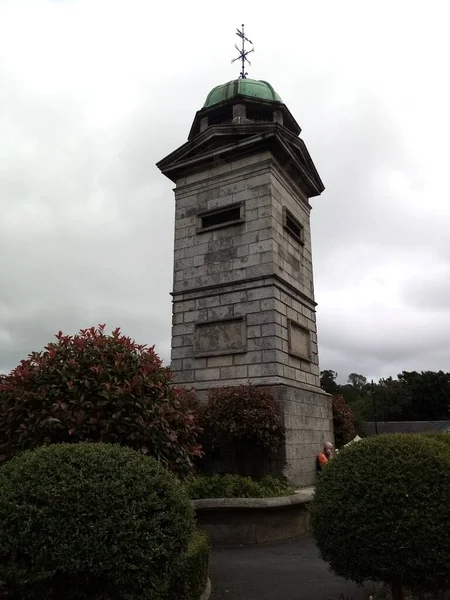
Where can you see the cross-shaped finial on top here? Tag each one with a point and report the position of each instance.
(243, 52)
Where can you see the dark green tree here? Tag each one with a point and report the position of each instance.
(358, 382)
(356, 396)
(328, 382)
(392, 399)
(412, 396)
(429, 394)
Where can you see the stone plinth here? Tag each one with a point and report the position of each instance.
(247, 521)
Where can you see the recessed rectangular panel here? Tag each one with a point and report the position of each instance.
(299, 340)
(227, 336)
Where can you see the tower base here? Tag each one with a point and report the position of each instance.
(308, 420)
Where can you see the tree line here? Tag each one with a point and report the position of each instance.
(412, 396)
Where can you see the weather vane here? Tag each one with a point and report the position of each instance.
(243, 53)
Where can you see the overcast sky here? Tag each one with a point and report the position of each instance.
(94, 92)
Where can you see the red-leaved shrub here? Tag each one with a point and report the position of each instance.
(343, 421)
(95, 387)
(243, 415)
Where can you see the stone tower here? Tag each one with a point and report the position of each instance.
(243, 292)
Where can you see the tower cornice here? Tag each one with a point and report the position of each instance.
(228, 142)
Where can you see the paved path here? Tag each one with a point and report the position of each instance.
(287, 571)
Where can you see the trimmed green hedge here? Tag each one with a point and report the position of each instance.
(438, 437)
(381, 512)
(385, 594)
(90, 522)
(191, 575)
(236, 486)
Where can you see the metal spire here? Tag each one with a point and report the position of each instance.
(242, 52)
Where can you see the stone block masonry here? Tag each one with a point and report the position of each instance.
(244, 291)
(309, 422)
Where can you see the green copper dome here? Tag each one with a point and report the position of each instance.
(242, 87)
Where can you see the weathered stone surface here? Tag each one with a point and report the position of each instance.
(237, 372)
(239, 503)
(299, 340)
(244, 521)
(220, 361)
(309, 423)
(228, 336)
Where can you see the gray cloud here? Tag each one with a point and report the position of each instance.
(89, 104)
(78, 234)
(430, 291)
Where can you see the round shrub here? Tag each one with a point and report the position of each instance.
(95, 387)
(381, 512)
(191, 575)
(90, 521)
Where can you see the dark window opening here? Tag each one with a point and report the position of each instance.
(222, 116)
(260, 115)
(220, 218)
(293, 226)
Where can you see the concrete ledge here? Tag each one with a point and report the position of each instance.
(247, 521)
(249, 503)
(306, 493)
(207, 591)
